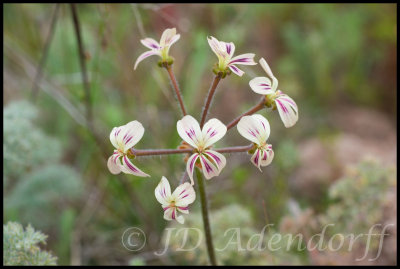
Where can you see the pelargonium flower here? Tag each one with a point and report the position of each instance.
(256, 129)
(212, 162)
(123, 139)
(161, 49)
(224, 52)
(287, 108)
(179, 200)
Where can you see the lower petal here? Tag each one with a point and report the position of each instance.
(218, 159)
(209, 169)
(144, 55)
(256, 159)
(128, 168)
(190, 166)
(288, 110)
(236, 70)
(113, 165)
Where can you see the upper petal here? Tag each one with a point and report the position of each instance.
(163, 191)
(213, 131)
(267, 69)
(184, 195)
(254, 128)
(229, 48)
(167, 36)
(189, 130)
(261, 85)
(287, 109)
(144, 55)
(217, 47)
(150, 43)
(129, 135)
(246, 59)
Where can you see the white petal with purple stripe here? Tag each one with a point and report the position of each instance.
(287, 109)
(254, 128)
(189, 130)
(213, 130)
(261, 85)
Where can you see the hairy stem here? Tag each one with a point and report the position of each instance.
(235, 149)
(204, 213)
(149, 152)
(260, 105)
(176, 88)
(210, 96)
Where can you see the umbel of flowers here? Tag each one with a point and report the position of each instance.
(199, 137)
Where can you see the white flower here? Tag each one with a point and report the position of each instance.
(224, 52)
(179, 200)
(211, 161)
(287, 108)
(256, 129)
(123, 139)
(161, 49)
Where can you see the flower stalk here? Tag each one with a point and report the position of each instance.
(176, 88)
(260, 105)
(204, 213)
(210, 96)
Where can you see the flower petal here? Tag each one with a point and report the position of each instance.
(261, 85)
(267, 69)
(167, 36)
(217, 47)
(170, 213)
(254, 128)
(150, 43)
(218, 159)
(229, 48)
(209, 169)
(287, 109)
(113, 165)
(189, 130)
(256, 158)
(267, 156)
(190, 166)
(128, 168)
(184, 195)
(129, 135)
(213, 131)
(144, 55)
(236, 70)
(163, 192)
(114, 134)
(246, 59)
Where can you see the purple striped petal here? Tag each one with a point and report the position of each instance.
(144, 55)
(150, 43)
(245, 59)
(128, 168)
(236, 70)
(190, 166)
(287, 109)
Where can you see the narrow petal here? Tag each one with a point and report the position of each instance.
(254, 128)
(213, 131)
(173, 40)
(129, 135)
(184, 195)
(189, 130)
(261, 85)
(236, 70)
(190, 166)
(144, 55)
(217, 48)
(209, 169)
(163, 192)
(267, 69)
(287, 110)
(113, 165)
(170, 213)
(256, 159)
(167, 36)
(183, 209)
(267, 156)
(150, 43)
(114, 134)
(128, 168)
(246, 59)
(218, 159)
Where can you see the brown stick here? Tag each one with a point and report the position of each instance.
(149, 152)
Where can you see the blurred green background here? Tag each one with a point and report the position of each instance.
(337, 61)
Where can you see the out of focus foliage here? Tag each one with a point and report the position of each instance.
(325, 56)
(21, 246)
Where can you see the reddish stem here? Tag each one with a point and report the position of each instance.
(251, 111)
(210, 95)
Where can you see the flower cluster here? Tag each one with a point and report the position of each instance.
(199, 139)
